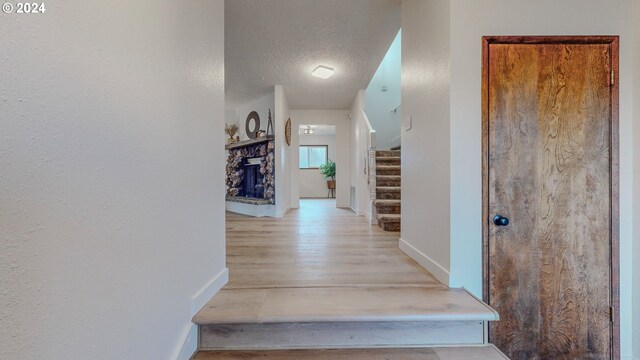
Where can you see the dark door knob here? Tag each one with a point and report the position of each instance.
(500, 220)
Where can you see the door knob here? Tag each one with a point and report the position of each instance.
(500, 220)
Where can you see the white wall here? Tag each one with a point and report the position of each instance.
(340, 119)
(425, 148)
(379, 103)
(636, 179)
(261, 105)
(470, 20)
(312, 182)
(111, 193)
(362, 203)
(283, 153)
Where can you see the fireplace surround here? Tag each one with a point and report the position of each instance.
(251, 172)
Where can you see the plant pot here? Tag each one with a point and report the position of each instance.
(331, 184)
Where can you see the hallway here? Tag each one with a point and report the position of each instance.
(317, 245)
(323, 278)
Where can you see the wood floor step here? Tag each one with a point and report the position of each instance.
(343, 304)
(387, 206)
(388, 153)
(388, 192)
(388, 180)
(338, 335)
(388, 160)
(429, 353)
(388, 169)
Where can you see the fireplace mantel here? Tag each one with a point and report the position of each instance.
(250, 142)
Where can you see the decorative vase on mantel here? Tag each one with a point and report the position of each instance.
(232, 133)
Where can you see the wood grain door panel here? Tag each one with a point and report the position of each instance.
(549, 171)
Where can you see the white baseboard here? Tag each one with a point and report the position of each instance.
(283, 212)
(202, 297)
(366, 214)
(188, 344)
(426, 262)
(343, 206)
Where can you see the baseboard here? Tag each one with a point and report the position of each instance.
(283, 212)
(188, 344)
(426, 262)
(343, 206)
(202, 297)
(366, 214)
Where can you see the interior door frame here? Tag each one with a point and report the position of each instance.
(614, 162)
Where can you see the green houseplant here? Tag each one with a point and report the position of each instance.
(328, 170)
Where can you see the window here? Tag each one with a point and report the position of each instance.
(312, 156)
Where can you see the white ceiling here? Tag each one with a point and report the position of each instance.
(319, 130)
(270, 42)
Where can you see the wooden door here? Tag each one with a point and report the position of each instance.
(551, 170)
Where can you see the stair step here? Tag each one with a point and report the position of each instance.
(338, 317)
(388, 170)
(389, 222)
(430, 353)
(387, 206)
(388, 192)
(396, 160)
(388, 180)
(273, 305)
(339, 334)
(388, 153)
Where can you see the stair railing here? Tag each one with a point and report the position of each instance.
(370, 155)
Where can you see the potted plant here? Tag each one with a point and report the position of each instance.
(328, 170)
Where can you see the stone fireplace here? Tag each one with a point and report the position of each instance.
(251, 172)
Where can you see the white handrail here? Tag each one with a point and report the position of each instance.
(370, 155)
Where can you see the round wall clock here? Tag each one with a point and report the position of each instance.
(252, 120)
(287, 132)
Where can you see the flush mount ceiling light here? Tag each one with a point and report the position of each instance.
(308, 131)
(322, 72)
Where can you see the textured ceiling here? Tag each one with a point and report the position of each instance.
(271, 42)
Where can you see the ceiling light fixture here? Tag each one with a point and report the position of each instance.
(308, 131)
(322, 72)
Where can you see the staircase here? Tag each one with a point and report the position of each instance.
(388, 182)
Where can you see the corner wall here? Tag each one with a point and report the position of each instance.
(111, 193)
(636, 181)
(283, 153)
(425, 147)
(361, 204)
(340, 119)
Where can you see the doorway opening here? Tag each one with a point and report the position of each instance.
(317, 164)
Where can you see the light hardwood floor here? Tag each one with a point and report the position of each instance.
(335, 260)
(323, 278)
(317, 245)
